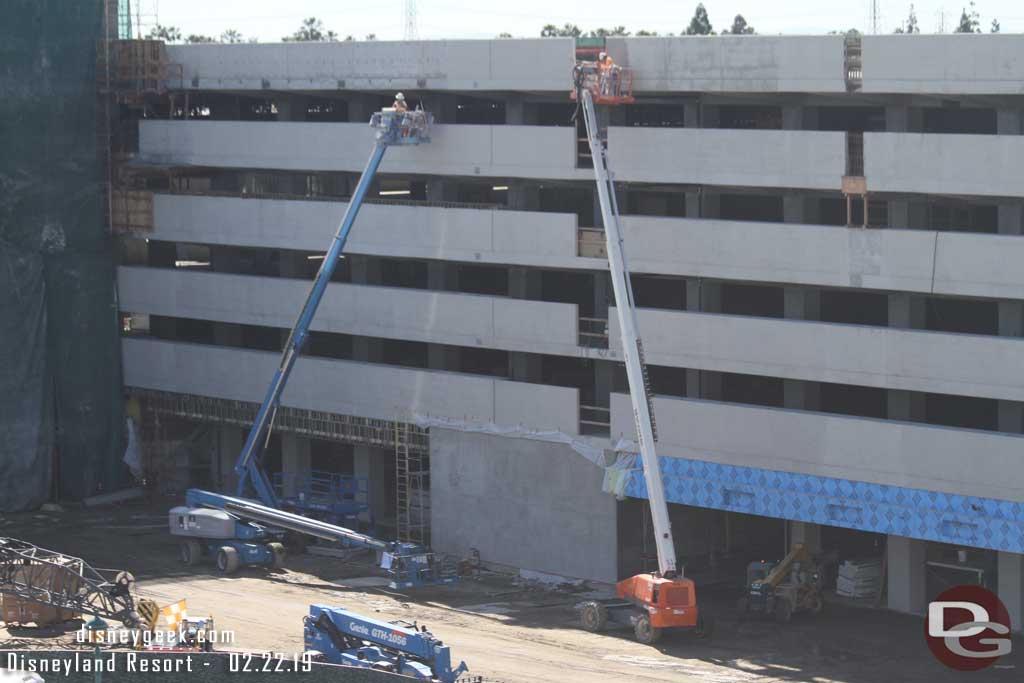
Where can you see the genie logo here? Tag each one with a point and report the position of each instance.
(378, 635)
(968, 628)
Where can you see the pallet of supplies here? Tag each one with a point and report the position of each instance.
(859, 578)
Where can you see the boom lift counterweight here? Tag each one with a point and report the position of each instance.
(653, 602)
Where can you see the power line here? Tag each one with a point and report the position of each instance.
(411, 33)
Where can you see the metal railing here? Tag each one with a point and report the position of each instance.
(854, 153)
(595, 420)
(593, 332)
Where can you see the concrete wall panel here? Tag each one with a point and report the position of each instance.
(897, 260)
(473, 150)
(523, 64)
(955, 64)
(984, 165)
(938, 362)
(747, 64)
(960, 461)
(753, 158)
(343, 387)
(389, 312)
(526, 504)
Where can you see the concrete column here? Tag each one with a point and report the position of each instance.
(691, 114)
(291, 108)
(361, 470)
(226, 334)
(295, 459)
(1011, 324)
(807, 533)
(602, 294)
(361, 107)
(801, 304)
(603, 373)
(710, 205)
(293, 264)
(442, 276)
(906, 574)
(793, 208)
(515, 110)
(792, 117)
(1010, 568)
(1008, 121)
(906, 311)
(230, 440)
(709, 117)
(523, 196)
(693, 204)
(1010, 222)
(382, 486)
(443, 105)
(366, 270)
(441, 190)
(523, 284)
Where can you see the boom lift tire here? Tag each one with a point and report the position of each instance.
(227, 560)
(593, 616)
(279, 554)
(191, 552)
(644, 631)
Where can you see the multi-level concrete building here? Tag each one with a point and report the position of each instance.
(825, 236)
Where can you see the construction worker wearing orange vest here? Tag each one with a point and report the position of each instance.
(606, 69)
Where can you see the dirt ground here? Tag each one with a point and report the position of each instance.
(505, 632)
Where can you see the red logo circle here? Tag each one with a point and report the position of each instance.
(967, 628)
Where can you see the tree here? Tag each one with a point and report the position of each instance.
(604, 32)
(969, 23)
(193, 39)
(643, 33)
(700, 25)
(312, 30)
(168, 34)
(231, 36)
(567, 31)
(740, 27)
(995, 26)
(371, 36)
(504, 34)
(911, 25)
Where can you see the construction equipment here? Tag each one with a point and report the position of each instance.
(784, 588)
(65, 586)
(650, 603)
(248, 538)
(240, 532)
(339, 636)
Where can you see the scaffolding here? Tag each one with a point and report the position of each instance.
(411, 443)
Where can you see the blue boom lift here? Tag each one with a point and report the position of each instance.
(343, 637)
(238, 531)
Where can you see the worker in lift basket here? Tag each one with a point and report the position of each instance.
(402, 111)
(609, 74)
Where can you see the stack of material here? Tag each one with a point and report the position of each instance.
(17, 610)
(859, 578)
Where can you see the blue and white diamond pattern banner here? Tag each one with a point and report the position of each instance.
(915, 513)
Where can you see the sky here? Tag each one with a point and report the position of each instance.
(270, 20)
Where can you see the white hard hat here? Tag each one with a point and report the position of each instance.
(400, 97)
(602, 55)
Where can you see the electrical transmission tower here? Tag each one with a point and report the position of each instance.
(411, 32)
(875, 18)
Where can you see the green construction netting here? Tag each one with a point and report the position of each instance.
(61, 422)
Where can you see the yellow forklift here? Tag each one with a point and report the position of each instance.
(784, 588)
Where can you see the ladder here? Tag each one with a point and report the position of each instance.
(412, 488)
